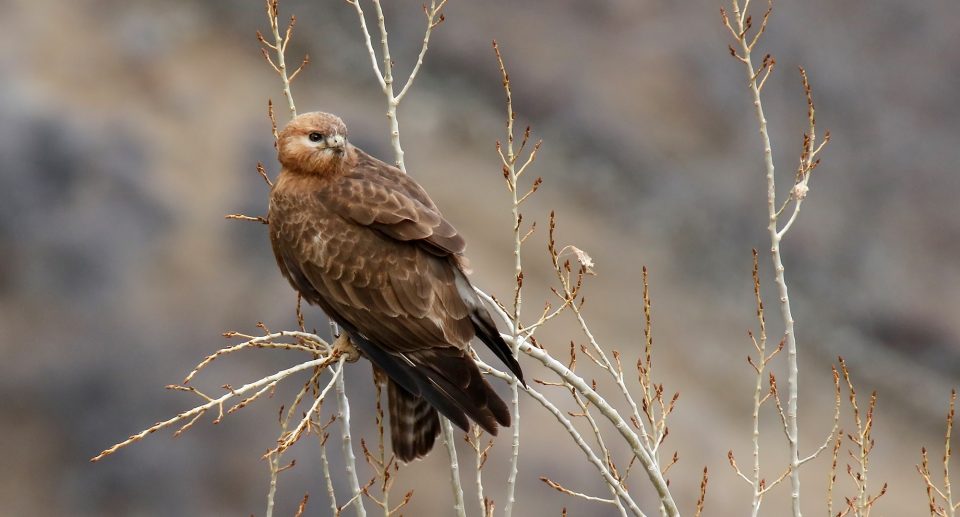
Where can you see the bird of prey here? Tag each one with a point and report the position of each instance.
(364, 242)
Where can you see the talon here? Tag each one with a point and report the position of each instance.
(343, 346)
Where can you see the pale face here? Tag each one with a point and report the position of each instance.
(313, 142)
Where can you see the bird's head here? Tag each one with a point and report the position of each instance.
(313, 142)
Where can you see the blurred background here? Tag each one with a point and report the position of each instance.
(128, 129)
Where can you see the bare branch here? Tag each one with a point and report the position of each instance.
(279, 47)
(218, 402)
(560, 488)
(434, 18)
(458, 505)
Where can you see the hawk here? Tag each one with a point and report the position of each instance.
(364, 242)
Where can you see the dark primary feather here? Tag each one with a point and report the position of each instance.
(372, 250)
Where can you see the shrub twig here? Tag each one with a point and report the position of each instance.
(933, 491)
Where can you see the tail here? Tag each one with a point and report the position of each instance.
(448, 382)
(414, 424)
(425, 382)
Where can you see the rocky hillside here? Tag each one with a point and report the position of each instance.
(128, 129)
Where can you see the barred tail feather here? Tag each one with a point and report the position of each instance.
(414, 423)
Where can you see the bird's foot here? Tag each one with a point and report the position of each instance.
(343, 346)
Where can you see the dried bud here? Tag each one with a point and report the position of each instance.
(799, 191)
(583, 258)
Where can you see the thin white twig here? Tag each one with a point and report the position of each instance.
(280, 46)
(432, 12)
(636, 444)
(347, 442)
(218, 402)
(266, 341)
(458, 505)
(793, 217)
(640, 451)
(478, 465)
(617, 377)
(392, 101)
(603, 446)
(568, 294)
(836, 421)
(761, 345)
(560, 488)
(577, 437)
(947, 452)
(385, 77)
(369, 43)
(274, 462)
(325, 462)
(779, 278)
(509, 167)
(305, 421)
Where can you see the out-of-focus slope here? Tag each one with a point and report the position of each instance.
(128, 129)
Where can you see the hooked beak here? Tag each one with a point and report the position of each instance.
(335, 142)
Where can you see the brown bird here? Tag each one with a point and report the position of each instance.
(363, 241)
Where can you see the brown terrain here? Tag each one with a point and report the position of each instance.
(128, 129)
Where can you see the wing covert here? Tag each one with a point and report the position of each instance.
(382, 197)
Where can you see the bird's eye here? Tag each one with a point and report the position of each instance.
(315, 137)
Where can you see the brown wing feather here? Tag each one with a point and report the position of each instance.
(382, 197)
